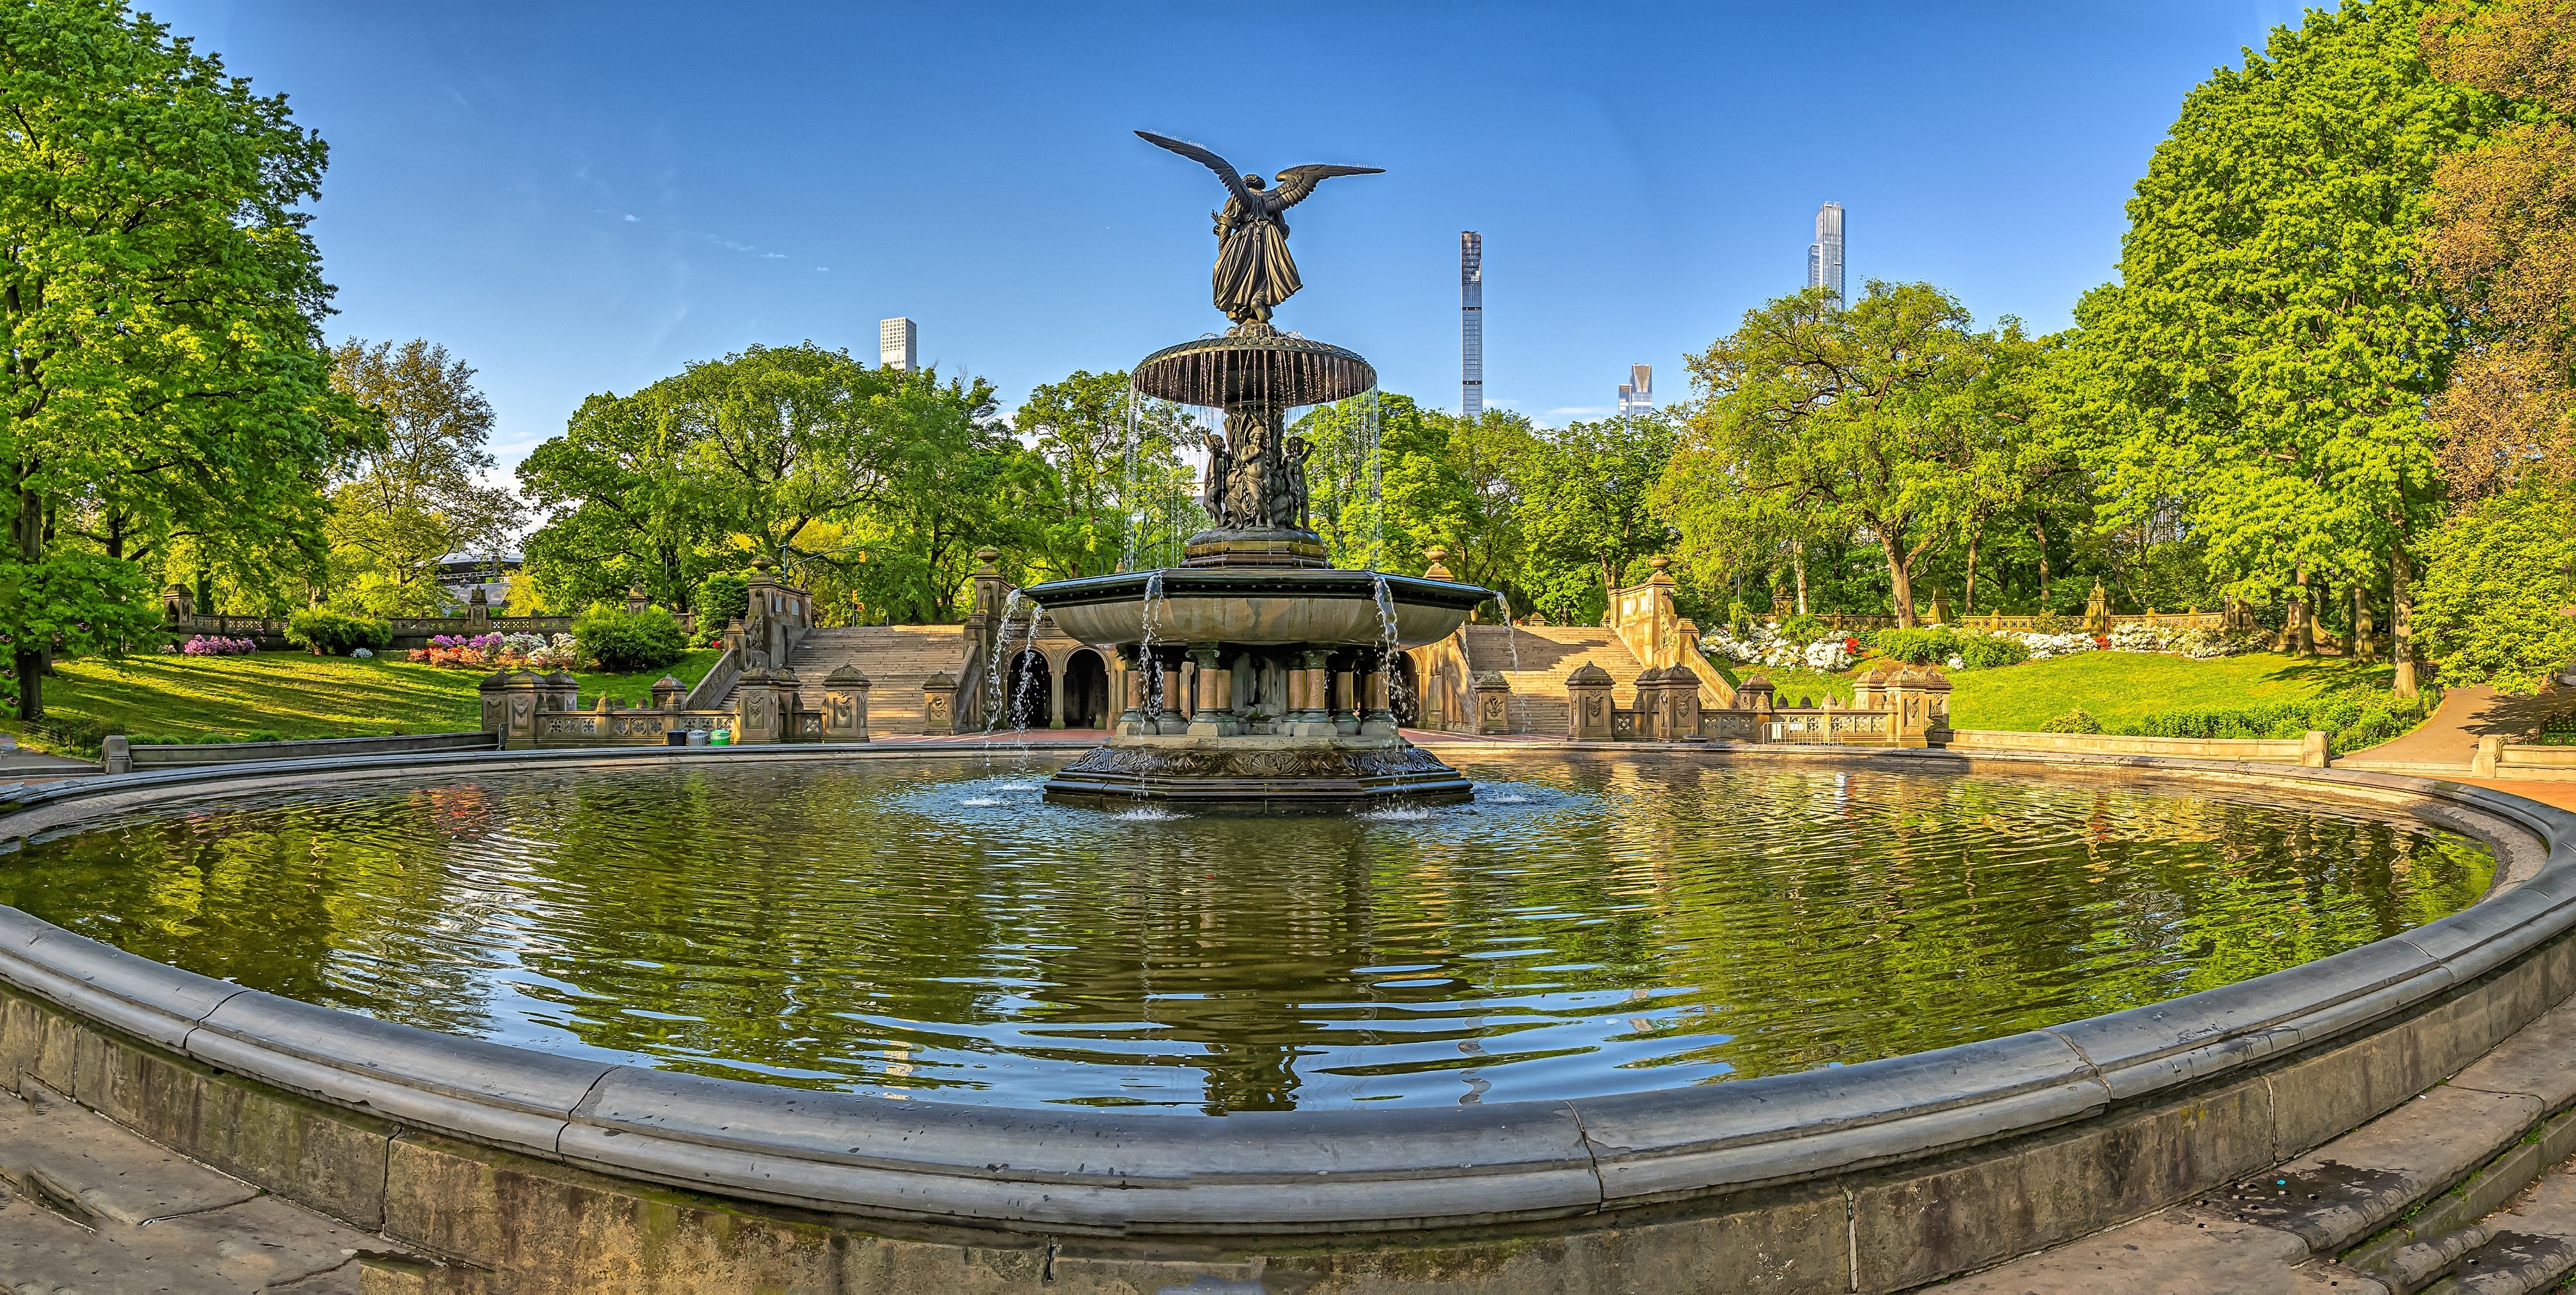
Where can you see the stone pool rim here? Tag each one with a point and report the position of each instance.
(1338, 1172)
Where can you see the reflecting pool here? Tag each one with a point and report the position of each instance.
(929, 929)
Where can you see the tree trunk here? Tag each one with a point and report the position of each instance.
(2039, 527)
(28, 659)
(2401, 629)
(1968, 600)
(1798, 567)
(2303, 612)
(1900, 580)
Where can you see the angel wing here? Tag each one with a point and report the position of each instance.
(1224, 170)
(1298, 181)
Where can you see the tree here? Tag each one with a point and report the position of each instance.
(620, 514)
(164, 370)
(2262, 365)
(1119, 492)
(2499, 579)
(2501, 242)
(1587, 492)
(413, 495)
(1864, 419)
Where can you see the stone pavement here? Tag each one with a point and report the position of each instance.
(89, 1208)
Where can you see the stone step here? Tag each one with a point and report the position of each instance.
(1535, 660)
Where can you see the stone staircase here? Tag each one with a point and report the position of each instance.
(1547, 654)
(895, 658)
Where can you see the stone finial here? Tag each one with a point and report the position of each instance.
(985, 557)
(478, 597)
(941, 680)
(1590, 673)
(1661, 576)
(1492, 679)
(1437, 555)
(845, 676)
(635, 600)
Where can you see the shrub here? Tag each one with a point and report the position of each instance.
(2078, 720)
(724, 596)
(73, 732)
(328, 633)
(1986, 651)
(262, 735)
(2354, 722)
(625, 641)
(218, 645)
(1918, 646)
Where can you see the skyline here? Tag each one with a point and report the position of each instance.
(650, 186)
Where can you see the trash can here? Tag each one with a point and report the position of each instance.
(697, 737)
(676, 737)
(721, 737)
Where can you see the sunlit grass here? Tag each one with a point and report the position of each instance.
(2115, 687)
(300, 695)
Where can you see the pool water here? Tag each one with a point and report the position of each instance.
(931, 930)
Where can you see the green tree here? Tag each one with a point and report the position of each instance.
(1118, 491)
(1864, 420)
(2261, 368)
(1390, 479)
(619, 511)
(164, 370)
(1587, 492)
(2500, 579)
(414, 495)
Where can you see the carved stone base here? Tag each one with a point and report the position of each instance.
(1264, 774)
(1246, 547)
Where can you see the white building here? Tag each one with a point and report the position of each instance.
(1825, 255)
(1637, 394)
(898, 346)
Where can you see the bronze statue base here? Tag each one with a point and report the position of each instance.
(1258, 774)
(1273, 547)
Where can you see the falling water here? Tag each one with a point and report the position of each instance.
(1145, 659)
(1127, 482)
(1388, 640)
(994, 669)
(1512, 644)
(1376, 481)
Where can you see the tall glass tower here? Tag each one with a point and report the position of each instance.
(1825, 255)
(1471, 324)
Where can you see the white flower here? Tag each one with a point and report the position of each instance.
(361, 652)
(1827, 654)
(1958, 664)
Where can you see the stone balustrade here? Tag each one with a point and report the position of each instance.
(1891, 706)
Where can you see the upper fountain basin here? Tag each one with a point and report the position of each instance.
(1257, 607)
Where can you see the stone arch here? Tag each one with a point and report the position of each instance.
(1085, 690)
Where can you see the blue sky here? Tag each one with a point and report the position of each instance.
(578, 198)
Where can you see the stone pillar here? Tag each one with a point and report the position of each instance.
(1493, 703)
(1055, 694)
(1131, 681)
(668, 693)
(845, 705)
(756, 720)
(988, 585)
(495, 705)
(1314, 714)
(522, 695)
(116, 754)
(1941, 614)
(1346, 690)
(1681, 703)
(635, 600)
(562, 693)
(2097, 610)
(2313, 751)
(1377, 712)
(1212, 715)
(177, 605)
(938, 714)
(478, 613)
(1587, 704)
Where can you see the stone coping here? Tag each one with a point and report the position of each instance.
(1084, 1171)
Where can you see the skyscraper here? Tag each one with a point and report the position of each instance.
(1471, 324)
(897, 345)
(1637, 394)
(1825, 255)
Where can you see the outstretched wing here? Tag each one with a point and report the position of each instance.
(1224, 170)
(1298, 181)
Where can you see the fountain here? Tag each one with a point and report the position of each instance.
(1292, 660)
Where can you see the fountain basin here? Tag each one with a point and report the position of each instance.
(1258, 608)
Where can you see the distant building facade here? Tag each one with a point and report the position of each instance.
(460, 574)
(1471, 324)
(1825, 255)
(1637, 394)
(898, 346)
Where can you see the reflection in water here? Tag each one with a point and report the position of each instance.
(1589, 925)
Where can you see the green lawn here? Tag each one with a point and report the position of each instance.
(303, 696)
(2121, 686)
(2115, 686)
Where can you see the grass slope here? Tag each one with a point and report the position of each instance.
(2121, 686)
(303, 696)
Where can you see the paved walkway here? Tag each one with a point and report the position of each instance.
(88, 1207)
(2467, 714)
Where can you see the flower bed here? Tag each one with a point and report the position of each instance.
(213, 645)
(498, 652)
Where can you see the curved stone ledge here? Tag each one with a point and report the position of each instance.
(2435, 997)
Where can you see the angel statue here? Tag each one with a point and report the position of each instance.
(1253, 269)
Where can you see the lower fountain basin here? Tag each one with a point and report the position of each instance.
(1257, 608)
(1272, 774)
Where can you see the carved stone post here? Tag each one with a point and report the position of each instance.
(1314, 716)
(845, 705)
(1493, 703)
(1346, 692)
(668, 693)
(562, 693)
(755, 708)
(1055, 695)
(635, 599)
(522, 695)
(478, 613)
(1377, 715)
(496, 708)
(2097, 610)
(1754, 696)
(938, 715)
(1681, 703)
(1587, 704)
(1131, 674)
(177, 605)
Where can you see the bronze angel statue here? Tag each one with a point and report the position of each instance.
(1253, 269)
